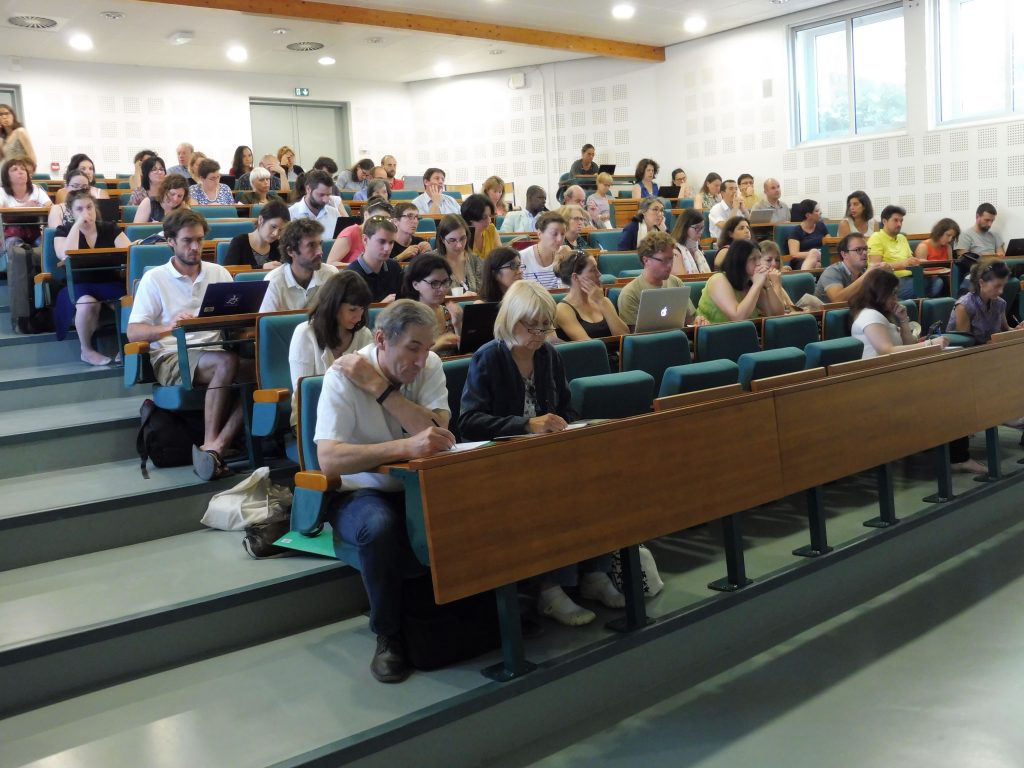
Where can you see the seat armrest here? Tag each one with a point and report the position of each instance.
(43, 277)
(317, 481)
(278, 395)
(136, 348)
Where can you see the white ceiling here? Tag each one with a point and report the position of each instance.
(402, 56)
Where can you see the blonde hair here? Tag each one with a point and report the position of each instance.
(605, 178)
(525, 300)
(281, 152)
(566, 212)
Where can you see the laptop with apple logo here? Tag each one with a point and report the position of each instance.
(662, 309)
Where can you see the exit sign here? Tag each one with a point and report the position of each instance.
(302, 91)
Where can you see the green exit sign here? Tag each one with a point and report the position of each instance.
(302, 91)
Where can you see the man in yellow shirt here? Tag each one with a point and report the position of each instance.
(892, 247)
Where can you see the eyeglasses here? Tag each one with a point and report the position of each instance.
(410, 216)
(578, 218)
(652, 209)
(862, 249)
(455, 240)
(663, 261)
(438, 284)
(537, 331)
(696, 226)
(515, 266)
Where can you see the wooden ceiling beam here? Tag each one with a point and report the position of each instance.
(314, 10)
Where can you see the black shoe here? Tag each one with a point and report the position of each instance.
(388, 664)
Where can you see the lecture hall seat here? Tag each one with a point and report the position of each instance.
(797, 284)
(612, 395)
(822, 354)
(616, 263)
(770, 362)
(654, 353)
(455, 374)
(607, 239)
(696, 376)
(272, 402)
(583, 358)
(796, 330)
(726, 341)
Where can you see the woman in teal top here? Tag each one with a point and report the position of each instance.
(739, 292)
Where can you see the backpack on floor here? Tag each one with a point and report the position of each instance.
(166, 437)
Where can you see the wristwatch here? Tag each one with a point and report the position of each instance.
(387, 393)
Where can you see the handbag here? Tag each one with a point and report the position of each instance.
(252, 501)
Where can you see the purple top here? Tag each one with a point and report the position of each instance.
(986, 317)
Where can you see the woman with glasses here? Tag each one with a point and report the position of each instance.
(210, 191)
(516, 385)
(452, 242)
(688, 258)
(501, 269)
(739, 291)
(478, 212)
(650, 217)
(14, 140)
(428, 278)
(576, 220)
(82, 163)
(407, 244)
(74, 180)
(170, 196)
(585, 313)
(153, 171)
(348, 245)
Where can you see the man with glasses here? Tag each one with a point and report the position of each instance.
(843, 280)
(295, 283)
(407, 244)
(382, 274)
(655, 252)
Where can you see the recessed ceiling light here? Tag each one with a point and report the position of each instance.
(443, 69)
(326, 61)
(305, 46)
(32, 22)
(112, 15)
(623, 11)
(80, 42)
(237, 53)
(374, 40)
(695, 24)
(182, 37)
(279, 31)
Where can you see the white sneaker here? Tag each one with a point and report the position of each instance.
(555, 604)
(597, 586)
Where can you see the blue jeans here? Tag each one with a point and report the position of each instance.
(932, 287)
(374, 521)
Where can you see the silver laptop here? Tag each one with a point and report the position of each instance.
(413, 183)
(662, 309)
(762, 216)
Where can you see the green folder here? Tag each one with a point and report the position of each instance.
(322, 545)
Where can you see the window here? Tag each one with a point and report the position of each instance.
(849, 75)
(981, 58)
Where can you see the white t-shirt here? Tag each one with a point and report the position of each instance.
(347, 414)
(164, 292)
(532, 269)
(307, 358)
(36, 199)
(873, 317)
(328, 215)
(285, 294)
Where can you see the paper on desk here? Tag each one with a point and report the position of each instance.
(458, 447)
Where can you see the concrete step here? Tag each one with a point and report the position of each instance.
(77, 624)
(25, 350)
(35, 386)
(54, 437)
(63, 513)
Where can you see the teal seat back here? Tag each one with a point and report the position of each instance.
(124, 184)
(911, 307)
(273, 339)
(143, 257)
(612, 395)
(498, 221)
(696, 376)
(141, 231)
(1011, 294)
(129, 212)
(615, 263)
(781, 237)
(49, 259)
(404, 194)
(833, 228)
(255, 210)
(654, 352)
(684, 203)
(251, 276)
(796, 284)
(327, 245)
(216, 211)
(613, 297)
(726, 341)
(838, 323)
(608, 239)
(225, 230)
(453, 193)
(790, 331)
(706, 232)
(371, 316)
(455, 373)
(222, 251)
(696, 290)
(309, 398)
(770, 362)
(426, 225)
(348, 194)
(583, 358)
(935, 311)
(821, 354)
(124, 198)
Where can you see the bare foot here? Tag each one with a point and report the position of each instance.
(92, 357)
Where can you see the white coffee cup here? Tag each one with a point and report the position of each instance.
(458, 290)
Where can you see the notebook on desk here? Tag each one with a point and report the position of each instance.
(242, 298)
(662, 309)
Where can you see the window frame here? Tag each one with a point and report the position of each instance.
(796, 78)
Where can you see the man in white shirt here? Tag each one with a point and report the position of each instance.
(731, 205)
(317, 203)
(294, 284)
(525, 220)
(433, 200)
(174, 292)
(386, 403)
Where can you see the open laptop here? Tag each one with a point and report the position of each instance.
(109, 210)
(227, 178)
(238, 298)
(477, 326)
(607, 168)
(413, 183)
(662, 309)
(1015, 248)
(344, 222)
(763, 216)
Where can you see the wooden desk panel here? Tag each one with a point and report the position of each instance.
(510, 512)
(997, 392)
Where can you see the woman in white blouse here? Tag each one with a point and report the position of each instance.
(880, 321)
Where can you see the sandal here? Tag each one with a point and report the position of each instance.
(208, 465)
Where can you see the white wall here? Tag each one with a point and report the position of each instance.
(111, 112)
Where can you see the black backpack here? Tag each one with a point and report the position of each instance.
(167, 437)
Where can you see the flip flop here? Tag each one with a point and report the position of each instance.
(208, 465)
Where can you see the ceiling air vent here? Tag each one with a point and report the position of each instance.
(32, 22)
(304, 46)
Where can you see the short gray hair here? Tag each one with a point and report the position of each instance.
(399, 315)
(259, 173)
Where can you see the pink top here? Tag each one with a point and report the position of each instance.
(354, 235)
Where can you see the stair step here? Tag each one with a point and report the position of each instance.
(18, 350)
(60, 383)
(52, 515)
(69, 626)
(53, 437)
